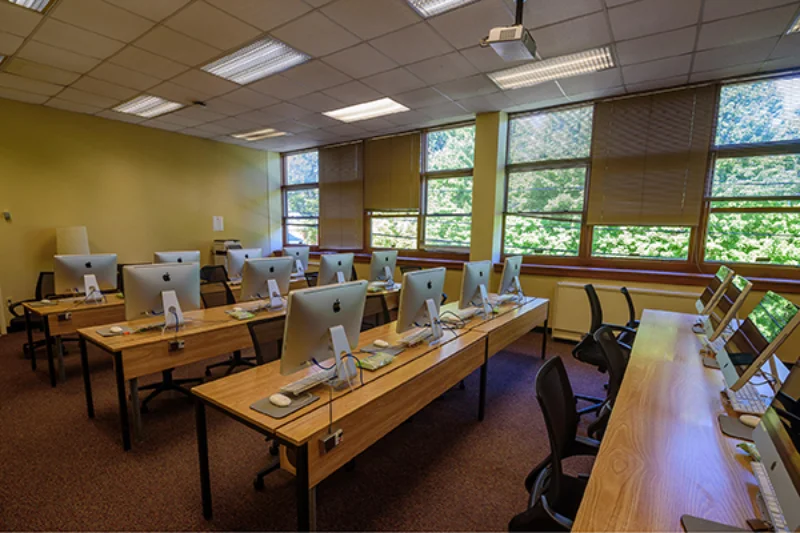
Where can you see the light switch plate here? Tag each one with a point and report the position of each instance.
(219, 223)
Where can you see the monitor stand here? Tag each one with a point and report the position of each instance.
(518, 289)
(299, 268)
(275, 300)
(173, 316)
(433, 319)
(345, 363)
(485, 306)
(340, 277)
(387, 272)
(90, 289)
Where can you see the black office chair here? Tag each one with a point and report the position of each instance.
(312, 278)
(588, 351)
(554, 495)
(354, 274)
(45, 288)
(616, 358)
(213, 273)
(263, 333)
(219, 294)
(632, 322)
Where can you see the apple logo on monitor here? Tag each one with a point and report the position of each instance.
(430, 285)
(480, 273)
(271, 269)
(337, 306)
(166, 277)
(88, 264)
(180, 260)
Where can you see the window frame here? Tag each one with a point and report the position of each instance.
(285, 189)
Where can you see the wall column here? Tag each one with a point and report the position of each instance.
(488, 186)
(275, 202)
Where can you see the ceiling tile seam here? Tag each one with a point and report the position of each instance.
(697, 35)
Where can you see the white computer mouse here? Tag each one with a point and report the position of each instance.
(381, 343)
(46, 301)
(115, 329)
(749, 420)
(698, 328)
(280, 400)
(237, 309)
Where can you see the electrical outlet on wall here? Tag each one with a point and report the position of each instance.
(218, 223)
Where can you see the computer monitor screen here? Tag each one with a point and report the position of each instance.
(145, 283)
(418, 287)
(192, 256)
(715, 290)
(258, 272)
(724, 312)
(332, 264)
(473, 276)
(511, 269)
(380, 262)
(69, 271)
(297, 253)
(236, 259)
(310, 315)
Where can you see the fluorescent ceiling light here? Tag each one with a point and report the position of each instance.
(267, 133)
(555, 68)
(796, 26)
(148, 106)
(36, 5)
(258, 60)
(377, 108)
(430, 8)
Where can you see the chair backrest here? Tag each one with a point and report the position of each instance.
(596, 308)
(264, 333)
(554, 392)
(631, 309)
(312, 278)
(216, 294)
(213, 273)
(354, 275)
(616, 360)
(45, 285)
(409, 268)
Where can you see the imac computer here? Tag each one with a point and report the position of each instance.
(322, 323)
(87, 274)
(474, 291)
(236, 259)
(509, 283)
(722, 279)
(267, 279)
(167, 289)
(420, 298)
(300, 256)
(189, 256)
(335, 268)
(382, 265)
(720, 324)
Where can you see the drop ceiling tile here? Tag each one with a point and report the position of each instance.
(225, 107)
(395, 81)
(291, 126)
(68, 37)
(407, 118)
(465, 87)
(317, 102)
(486, 59)
(653, 85)
(235, 124)
(9, 43)
(781, 63)
(148, 63)
(466, 26)
(317, 3)
(29, 69)
(486, 103)
(444, 111)
(203, 81)
(162, 125)
(22, 96)
(315, 34)
(318, 121)
(717, 9)
(652, 16)
(375, 124)
(412, 44)
(729, 56)
(353, 93)
(722, 73)
(120, 117)
(212, 26)
(754, 26)
(597, 81)
(316, 75)
(12, 81)
(371, 18)
(421, 98)
(55, 57)
(614, 3)
(573, 36)
(196, 132)
(360, 61)
(179, 120)
(214, 129)
(103, 18)
(75, 107)
(346, 130)
(200, 113)
(536, 106)
(104, 88)
(263, 14)
(155, 10)
(544, 12)
(442, 68)
(788, 45)
(173, 45)
(125, 77)
(543, 92)
(656, 70)
(178, 93)
(281, 111)
(672, 43)
(597, 94)
(18, 20)
(280, 87)
(81, 97)
(249, 98)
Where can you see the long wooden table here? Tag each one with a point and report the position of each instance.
(663, 454)
(388, 397)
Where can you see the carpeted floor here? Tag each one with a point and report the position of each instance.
(443, 471)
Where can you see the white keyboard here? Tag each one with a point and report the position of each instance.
(415, 338)
(501, 299)
(309, 382)
(715, 346)
(748, 400)
(462, 314)
(768, 497)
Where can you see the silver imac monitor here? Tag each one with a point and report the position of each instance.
(189, 256)
(300, 256)
(335, 268)
(475, 286)
(382, 265)
(70, 272)
(510, 282)
(724, 276)
(718, 319)
(258, 273)
(236, 259)
(323, 323)
(420, 299)
(145, 285)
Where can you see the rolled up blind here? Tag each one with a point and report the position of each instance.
(341, 197)
(391, 173)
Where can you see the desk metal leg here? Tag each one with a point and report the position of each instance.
(202, 452)
(62, 370)
(482, 392)
(544, 339)
(29, 329)
(87, 381)
(305, 497)
(123, 402)
(136, 407)
(51, 365)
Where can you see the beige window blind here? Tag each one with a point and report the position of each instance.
(649, 159)
(341, 197)
(391, 173)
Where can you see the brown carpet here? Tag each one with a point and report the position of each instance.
(443, 471)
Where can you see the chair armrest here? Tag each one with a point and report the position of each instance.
(623, 329)
(627, 347)
(13, 305)
(562, 520)
(585, 446)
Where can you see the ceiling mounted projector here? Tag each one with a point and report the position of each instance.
(512, 43)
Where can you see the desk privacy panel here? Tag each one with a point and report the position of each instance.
(341, 197)
(392, 174)
(650, 157)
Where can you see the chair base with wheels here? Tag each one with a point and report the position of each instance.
(275, 464)
(232, 363)
(167, 383)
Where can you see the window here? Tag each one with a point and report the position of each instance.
(301, 198)
(641, 242)
(394, 229)
(448, 160)
(754, 195)
(548, 161)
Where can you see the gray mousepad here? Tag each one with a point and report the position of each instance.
(265, 407)
(732, 427)
(106, 332)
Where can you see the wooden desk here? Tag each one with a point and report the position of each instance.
(663, 454)
(65, 317)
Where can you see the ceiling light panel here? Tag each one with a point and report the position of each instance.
(258, 60)
(36, 5)
(796, 26)
(148, 106)
(431, 8)
(376, 108)
(267, 133)
(555, 68)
